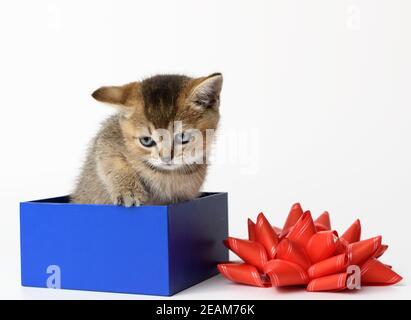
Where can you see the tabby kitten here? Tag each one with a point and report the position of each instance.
(154, 150)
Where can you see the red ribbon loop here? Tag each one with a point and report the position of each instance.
(242, 273)
(286, 250)
(353, 233)
(303, 230)
(293, 216)
(266, 235)
(322, 223)
(374, 273)
(335, 264)
(285, 273)
(361, 251)
(334, 282)
(322, 245)
(251, 252)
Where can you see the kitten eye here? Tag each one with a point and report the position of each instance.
(182, 138)
(147, 142)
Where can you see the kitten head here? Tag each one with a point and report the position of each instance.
(167, 120)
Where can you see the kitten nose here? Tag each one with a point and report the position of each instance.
(166, 159)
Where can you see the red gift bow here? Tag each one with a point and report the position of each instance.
(307, 253)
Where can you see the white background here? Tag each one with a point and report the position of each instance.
(319, 90)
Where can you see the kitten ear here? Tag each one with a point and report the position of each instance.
(206, 92)
(124, 97)
(113, 94)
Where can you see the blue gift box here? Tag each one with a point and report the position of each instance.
(157, 250)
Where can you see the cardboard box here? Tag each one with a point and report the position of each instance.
(158, 250)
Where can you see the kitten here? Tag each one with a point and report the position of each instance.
(154, 150)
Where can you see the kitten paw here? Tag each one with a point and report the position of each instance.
(127, 199)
